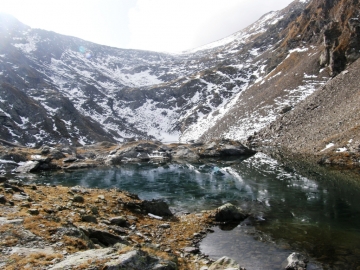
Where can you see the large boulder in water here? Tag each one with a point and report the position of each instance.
(295, 261)
(224, 148)
(229, 212)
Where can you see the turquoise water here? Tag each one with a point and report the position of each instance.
(318, 215)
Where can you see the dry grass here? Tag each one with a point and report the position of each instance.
(32, 261)
(74, 244)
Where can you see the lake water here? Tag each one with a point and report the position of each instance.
(318, 215)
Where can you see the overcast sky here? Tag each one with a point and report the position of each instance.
(157, 25)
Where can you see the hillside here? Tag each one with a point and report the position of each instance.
(60, 89)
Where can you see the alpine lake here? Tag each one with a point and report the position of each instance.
(312, 210)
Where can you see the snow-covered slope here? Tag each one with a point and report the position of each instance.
(56, 88)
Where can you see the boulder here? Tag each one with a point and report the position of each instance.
(103, 237)
(295, 261)
(225, 263)
(184, 153)
(157, 207)
(138, 259)
(120, 221)
(28, 166)
(2, 199)
(229, 212)
(83, 258)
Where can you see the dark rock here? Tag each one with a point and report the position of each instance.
(69, 160)
(2, 199)
(33, 211)
(78, 199)
(56, 154)
(157, 207)
(3, 179)
(89, 218)
(105, 238)
(14, 188)
(120, 221)
(229, 212)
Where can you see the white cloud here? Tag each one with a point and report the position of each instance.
(163, 25)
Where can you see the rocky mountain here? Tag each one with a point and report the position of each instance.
(61, 89)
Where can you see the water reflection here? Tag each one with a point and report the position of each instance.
(318, 215)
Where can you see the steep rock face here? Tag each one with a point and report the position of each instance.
(326, 124)
(337, 24)
(318, 42)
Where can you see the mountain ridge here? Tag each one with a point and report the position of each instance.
(78, 92)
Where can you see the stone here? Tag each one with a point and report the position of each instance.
(137, 259)
(103, 237)
(28, 166)
(157, 207)
(78, 199)
(2, 199)
(2, 179)
(120, 221)
(229, 212)
(33, 211)
(295, 261)
(192, 250)
(19, 197)
(89, 218)
(11, 221)
(83, 257)
(69, 160)
(225, 263)
(164, 226)
(14, 188)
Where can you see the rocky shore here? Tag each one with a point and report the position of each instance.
(56, 227)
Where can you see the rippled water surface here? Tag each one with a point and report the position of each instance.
(318, 215)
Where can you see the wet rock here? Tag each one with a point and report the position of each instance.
(229, 212)
(225, 263)
(295, 261)
(29, 166)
